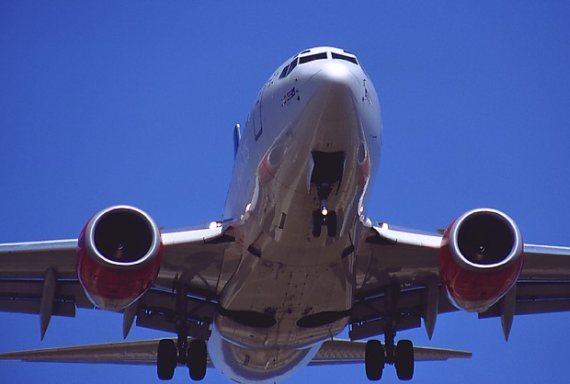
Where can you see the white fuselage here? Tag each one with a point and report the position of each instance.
(290, 290)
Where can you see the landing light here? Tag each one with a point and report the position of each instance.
(214, 225)
(324, 212)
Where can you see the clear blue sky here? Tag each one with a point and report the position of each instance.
(134, 102)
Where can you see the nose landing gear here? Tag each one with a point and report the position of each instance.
(326, 175)
(322, 216)
(326, 218)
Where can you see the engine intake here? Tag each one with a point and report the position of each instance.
(485, 239)
(480, 258)
(119, 256)
(122, 237)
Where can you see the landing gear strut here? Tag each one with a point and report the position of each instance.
(169, 354)
(400, 355)
(329, 220)
(322, 216)
(326, 175)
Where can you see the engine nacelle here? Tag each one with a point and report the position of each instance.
(119, 256)
(480, 259)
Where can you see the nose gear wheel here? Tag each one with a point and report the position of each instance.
(329, 220)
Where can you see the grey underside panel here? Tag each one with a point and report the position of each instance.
(135, 352)
(32, 260)
(395, 266)
(195, 258)
(155, 310)
(546, 262)
(144, 353)
(369, 316)
(191, 258)
(352, 352)
(535, 297)
(394, 258)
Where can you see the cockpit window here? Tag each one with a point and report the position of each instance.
(284, 72)
(316, 56)
(288, 68)
(292, 65)
(344, 57)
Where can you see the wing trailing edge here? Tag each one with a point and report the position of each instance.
(337, 352)
(333, 352)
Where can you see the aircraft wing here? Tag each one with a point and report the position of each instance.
(399, 267)
(41, 277)
(332, 352)
(32, 259)
(335, 352)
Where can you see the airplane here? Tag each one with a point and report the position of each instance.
(294, 260)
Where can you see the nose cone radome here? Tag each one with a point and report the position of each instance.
(336, 76)
(334, 91)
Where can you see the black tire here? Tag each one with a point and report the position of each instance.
(331, 224)
(405, 360)
(317, 223)
(197, 359)
(166, 359)
(374, 360)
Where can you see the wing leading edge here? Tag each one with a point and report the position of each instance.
(396, 259)
(41, 278)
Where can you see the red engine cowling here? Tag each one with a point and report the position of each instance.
(480, 259)
(119, 256)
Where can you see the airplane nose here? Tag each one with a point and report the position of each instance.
(334, 76)
(334, 88)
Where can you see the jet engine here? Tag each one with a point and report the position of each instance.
(119, 256)
(480, 259)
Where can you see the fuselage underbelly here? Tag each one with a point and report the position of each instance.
(310, 141)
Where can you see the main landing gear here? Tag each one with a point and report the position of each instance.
(193, 354)
(401, 356)
(195, 358)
